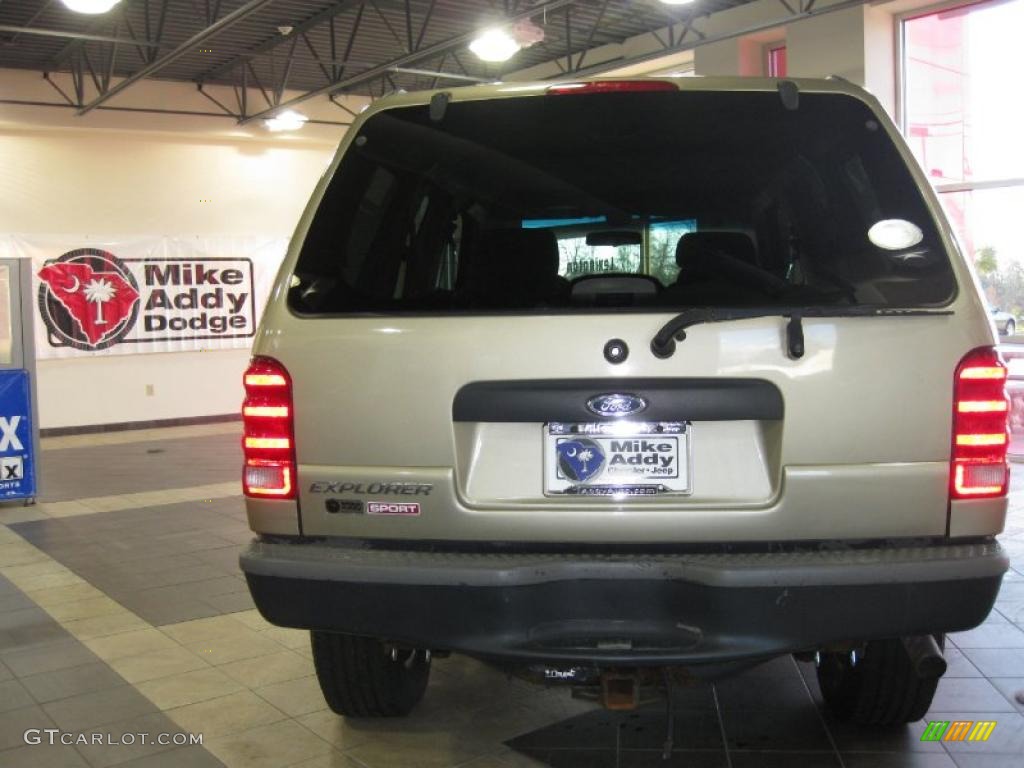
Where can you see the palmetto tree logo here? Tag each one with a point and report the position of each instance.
(99, 292)
(585, 457)
(88, 299)
(580, 459)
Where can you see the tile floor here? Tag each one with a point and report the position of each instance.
(122, 613)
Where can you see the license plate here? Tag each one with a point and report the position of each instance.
(616, 458)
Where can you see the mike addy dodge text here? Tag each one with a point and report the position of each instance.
(198, 297)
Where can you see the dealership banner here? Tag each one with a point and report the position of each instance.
(114, 296)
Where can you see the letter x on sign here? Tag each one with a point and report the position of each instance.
(8, 439)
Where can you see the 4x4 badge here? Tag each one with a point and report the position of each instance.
(616, 404)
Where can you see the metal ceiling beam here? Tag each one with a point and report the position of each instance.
(73, 35)
(325, 15)
(442, 75)
(182, 50)
(90, 38)
(42, 9)
(408, 59)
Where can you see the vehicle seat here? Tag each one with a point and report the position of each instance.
(721, 268)
(519, 268)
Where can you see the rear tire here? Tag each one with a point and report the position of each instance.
(359, 676)
(1011, 327)
(881, 689)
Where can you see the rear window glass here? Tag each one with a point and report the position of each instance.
(652, 201)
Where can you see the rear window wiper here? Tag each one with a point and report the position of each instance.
(663, 345)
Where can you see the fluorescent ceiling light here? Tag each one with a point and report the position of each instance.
(676, 2)
(288, 120)
(494, 45)
(90, 6)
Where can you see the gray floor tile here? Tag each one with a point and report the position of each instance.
(225, 558)
(692, 730)
(1011, 591)
(850, 737)
(784, 759)
(967, 694)
(180, 757)
(14, 696)
(71, 473)
(1011, 688)
(996, 662)
(593, 730)
(232, 602)
(62, 653)
(1001, 634)
(590, 758)
(15, 722)
(14, 601)
(159, 614)
(701, 696)
(987, 761)
(796, 728)
(103, 755)
(957, 665)
(61, 684)
(98, 708)
(43, 755)
(896, 760)
(1011, 610)
(742, 692)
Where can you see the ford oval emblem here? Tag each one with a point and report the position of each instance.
(616, 405)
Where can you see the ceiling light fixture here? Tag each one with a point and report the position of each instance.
(90, 6)
(676, 2)
(288, 120)
(494, 44)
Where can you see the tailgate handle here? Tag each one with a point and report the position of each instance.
(676, 399)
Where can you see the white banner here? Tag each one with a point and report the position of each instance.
(120, 296)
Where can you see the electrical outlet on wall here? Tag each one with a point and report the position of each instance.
(149, 390)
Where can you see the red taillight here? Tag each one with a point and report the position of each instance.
(980, 436)
(268, 441)
(612, 86)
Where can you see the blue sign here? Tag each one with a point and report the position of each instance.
(17, 462)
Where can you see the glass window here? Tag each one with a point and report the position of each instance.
(962, 116)
(963, 120)
(706, 198)
(777, 61)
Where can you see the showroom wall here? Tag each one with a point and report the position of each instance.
(187, 176)
(203, 179)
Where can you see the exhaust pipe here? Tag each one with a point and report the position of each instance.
(925, 656)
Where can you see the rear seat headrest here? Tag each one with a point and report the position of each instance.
(694, 248)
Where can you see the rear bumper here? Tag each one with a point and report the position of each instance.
(625, 609)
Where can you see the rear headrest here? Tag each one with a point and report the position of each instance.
(519, 266)
(694, 249)
(534, 251)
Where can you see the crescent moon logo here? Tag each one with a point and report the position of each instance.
(571, 452)
(75, 285)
